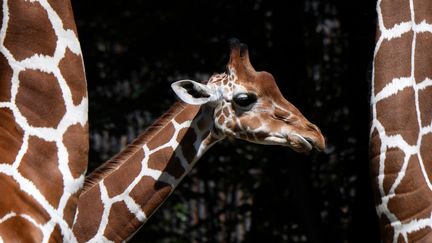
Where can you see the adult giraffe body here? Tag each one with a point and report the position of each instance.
(401, 133)
(43, 121)
(119, 197)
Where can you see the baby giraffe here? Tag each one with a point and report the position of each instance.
(118, 197)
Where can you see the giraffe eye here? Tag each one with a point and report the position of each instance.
(244, 100)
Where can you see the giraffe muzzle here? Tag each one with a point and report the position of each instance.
(299, 143)
(304, 144)
(319, 146)
(312, 135)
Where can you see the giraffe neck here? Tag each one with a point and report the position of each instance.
(43, 121)
(401, 132)
(120, 196)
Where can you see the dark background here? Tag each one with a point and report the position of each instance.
(320, 53)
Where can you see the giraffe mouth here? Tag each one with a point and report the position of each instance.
(295, 141)
(299, 143)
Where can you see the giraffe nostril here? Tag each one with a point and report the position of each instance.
(285, 118)
(312, 127)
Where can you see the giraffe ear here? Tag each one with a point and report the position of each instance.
(194, 93)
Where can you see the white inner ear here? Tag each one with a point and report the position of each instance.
(193, 93)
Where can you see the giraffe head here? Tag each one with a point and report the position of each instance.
(248, 105)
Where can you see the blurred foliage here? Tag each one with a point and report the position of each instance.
(319, 53)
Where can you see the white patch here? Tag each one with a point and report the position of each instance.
(424, 84)
(7, 216)
(135, 209)
(422, 27)
(397, 84)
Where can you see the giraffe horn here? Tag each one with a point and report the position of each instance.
(239, 56)
(234, 45)
(244, 55)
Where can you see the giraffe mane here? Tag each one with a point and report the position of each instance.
(111, 165)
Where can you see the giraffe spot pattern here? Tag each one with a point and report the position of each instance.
(143, 180)
(397, 121)
(423, 58)
(44, 89)
(49, 181)
(218, 113)
(126, 173)
(77, 147)
(37, 106)
(55, 235)
(374, 151)
(419, 236)
(394, 12)
(65, 12)
(127, 222)
(426, 155)
(72, 69)
(386, 229)
(24, 37)
(92, 210)
(425, 106)
(401, 120)
(164, 160)
(162, 138)
(11, 137)
(186, 114)
(394, 160)
(19, 203)
(5, 74)
(187, 147)
(24, 230)
(150, 193)
(422, 10)
(395, 59)
(411, 192)
(69, 210)
(252, 123)
(226, 111)
(221, 119)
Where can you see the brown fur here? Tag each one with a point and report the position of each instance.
(112, 164)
